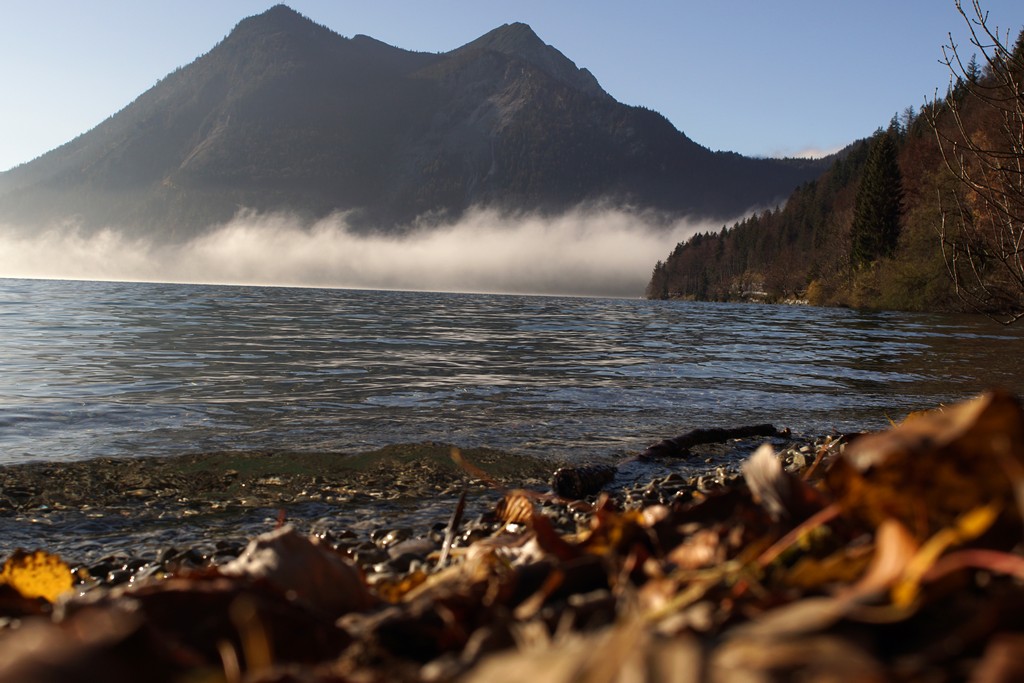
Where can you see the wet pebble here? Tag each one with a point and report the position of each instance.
(367, 554)
(438, 532)
(164, 555)
(385, 538)
(109, 564)
(413, 546)
(398, 564)
(798, 462)
(471, 536)
(134, 565)
(225, 551)
(117, 577)
(147, 571)
(192, 558)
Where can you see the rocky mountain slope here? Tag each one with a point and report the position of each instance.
(286, 115)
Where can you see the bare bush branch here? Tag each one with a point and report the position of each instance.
(979, 126)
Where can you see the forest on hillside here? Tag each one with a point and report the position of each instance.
(927, 214)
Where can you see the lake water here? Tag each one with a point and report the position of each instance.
(126, 369)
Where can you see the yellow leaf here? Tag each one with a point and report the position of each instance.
(395, 590)
(841, 567)
(36, 575)
(968, 527)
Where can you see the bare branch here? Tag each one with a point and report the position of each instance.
(980, 130)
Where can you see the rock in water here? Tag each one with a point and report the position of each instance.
(580, 482)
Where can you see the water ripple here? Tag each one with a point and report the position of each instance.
(93, 369)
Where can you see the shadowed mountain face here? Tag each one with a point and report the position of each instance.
(286, 115)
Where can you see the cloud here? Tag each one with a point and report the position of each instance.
(806, 152)
(585, 252)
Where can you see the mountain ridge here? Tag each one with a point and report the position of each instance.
(284, 114)
(519, 40)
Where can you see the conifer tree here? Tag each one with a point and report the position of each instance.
(876, 219)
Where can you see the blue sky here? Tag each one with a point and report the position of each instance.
(755, 77)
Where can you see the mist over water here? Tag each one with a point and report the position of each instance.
(601, 252)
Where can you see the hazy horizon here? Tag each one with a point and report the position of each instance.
(592, 251)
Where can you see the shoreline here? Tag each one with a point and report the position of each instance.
(126, 515)
(897, 556)
(113, 506)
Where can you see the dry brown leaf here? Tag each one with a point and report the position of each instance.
(551, 541)
(701, 549)
(612, 530)
(312, 572)
(894, 550)
(992, 561)
(767, 481)
(800, 533)
(815, 658)
(934, 468)
(798, 618)
(1003, 660)
(515, 508)
(624, 653)
(459, 459)
(96, 644)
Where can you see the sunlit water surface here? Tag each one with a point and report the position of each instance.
(113, 369)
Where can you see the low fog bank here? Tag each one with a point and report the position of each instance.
(584, 252)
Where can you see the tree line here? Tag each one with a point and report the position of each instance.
(926, 214)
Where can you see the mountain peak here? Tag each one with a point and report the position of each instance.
(520, 41)
(280, 15)
(281, 10)
(514, 38)
(277, 19)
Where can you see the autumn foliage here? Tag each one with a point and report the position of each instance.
(927, 214)
(896, 556)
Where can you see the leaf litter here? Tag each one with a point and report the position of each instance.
(897, 555)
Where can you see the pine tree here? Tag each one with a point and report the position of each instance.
(1017, 54)
(875, 229)
(876, 219)
(973, 72)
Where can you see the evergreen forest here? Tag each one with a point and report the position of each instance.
(925, 215)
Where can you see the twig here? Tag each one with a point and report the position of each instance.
(451, 529)
(679, 447)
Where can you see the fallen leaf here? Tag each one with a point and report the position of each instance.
(844, 566)
(1002, 661)
(515, 508)
(312, 572)
(394, 590)
(768, 482)
(37, 575)
(968, 527)
(701, 549)
(815, 658)
(934, 468)
(895, 548)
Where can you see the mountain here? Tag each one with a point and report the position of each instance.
(286, 115)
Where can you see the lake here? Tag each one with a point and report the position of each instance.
(92, 369)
